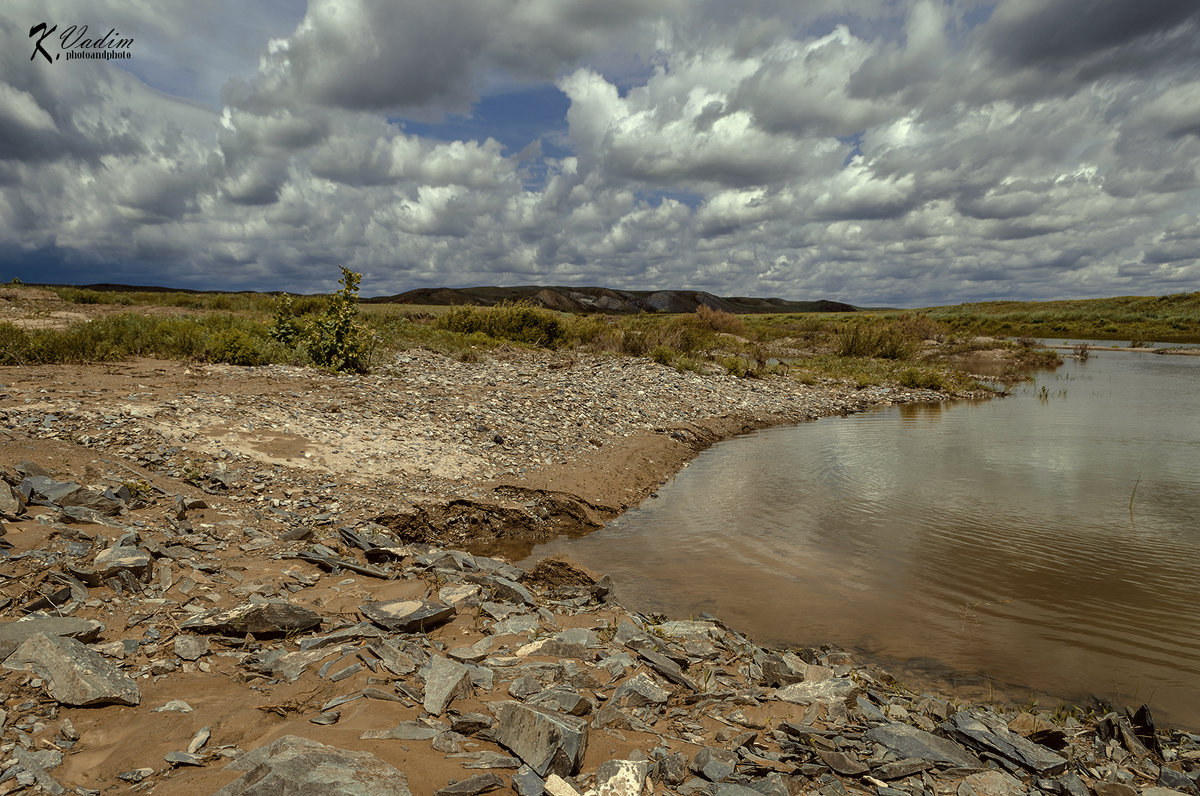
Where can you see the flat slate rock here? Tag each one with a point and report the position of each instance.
(13, 634)
(408, 616)
(293, 765)
(480, 783)
(259, 619)
(549, 742)
(639, 690)
(909, 742)
(75, 675)
(447, 681)
(837, 689)
(989, 733)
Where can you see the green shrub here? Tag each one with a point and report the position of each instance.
(285, 327)
(663, 355)
(338, 339)
(236, 347)
(517, 321)
(921, 378)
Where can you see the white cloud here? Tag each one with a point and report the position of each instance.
(875, 153)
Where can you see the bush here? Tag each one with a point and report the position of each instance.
(921, 378)
(663, 355)
(895, 340)
(719, 320)
(285, 327)
(337, 339)
(517, 321)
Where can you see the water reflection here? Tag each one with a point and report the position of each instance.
(993, 538)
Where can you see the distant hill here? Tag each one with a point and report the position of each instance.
(602, 299)
(563, 299)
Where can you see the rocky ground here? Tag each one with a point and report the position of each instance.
(272, 580)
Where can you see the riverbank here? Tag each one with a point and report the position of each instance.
(275, 561)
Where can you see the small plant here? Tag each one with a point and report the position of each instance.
(285, 327)
(338, 339)
(663, 355)
(1081, 351)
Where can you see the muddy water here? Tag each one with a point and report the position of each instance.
(989, 547)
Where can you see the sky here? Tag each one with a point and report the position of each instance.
(879, 152)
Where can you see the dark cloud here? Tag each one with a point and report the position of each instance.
(1092, 38)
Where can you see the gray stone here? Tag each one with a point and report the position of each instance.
(110, 562)
(988, 732)
(1161, 792)
(85, 516)
(75, 675)
(639, 690)
(549, 742)
(12, 502)
(564, 700)
(1167, 778)
(714, 765)
(393, 660)
(447, 680)
(899, 769)
(908, 741)
(842, 763)
(259, 619)
(488, 759)
(672, 770)
(622, 777)
(1114, 789)
(49, 489)
(526, 782)
(404, 731)
(525, 687)
(515, 625)
(511, 591)
(408, 616)
(293, 765)
(101, 500)
(191, 648)
(779, 671)
(824, 692)
(480, 783)
(697, 786)
(183, 759)
(13, 634)
(991, 783)
(34, 765)
(734, 789)
(1069, 784)
(667, 668)
(470, 723)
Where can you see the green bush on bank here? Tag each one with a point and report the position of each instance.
(517, 321)
(216, 337)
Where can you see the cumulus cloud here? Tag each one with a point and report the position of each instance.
(906, 153)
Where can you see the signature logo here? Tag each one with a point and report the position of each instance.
(74, 42)
(37, 46)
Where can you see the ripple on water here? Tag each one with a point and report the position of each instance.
(990, 537)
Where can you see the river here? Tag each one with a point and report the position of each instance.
(1042, 546)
